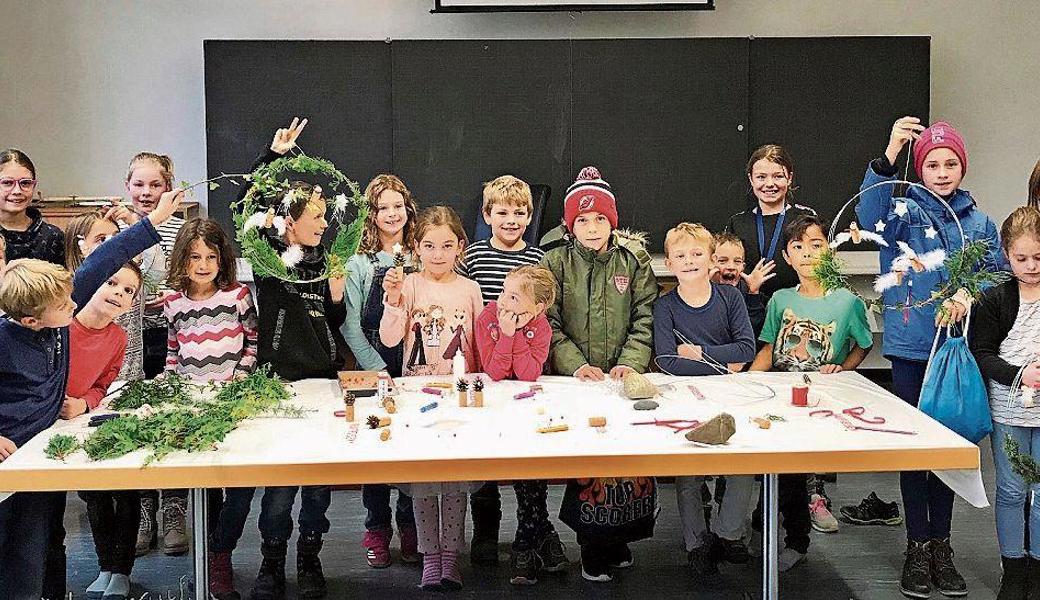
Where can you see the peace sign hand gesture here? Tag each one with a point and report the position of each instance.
(285, 139)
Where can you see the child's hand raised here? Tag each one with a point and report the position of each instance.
(589, 373)
(285, 139)
(393, 281)
(7, 448)
(762, 273)
(168, 204)
(903, 130)
(117, 213)
(337, 285)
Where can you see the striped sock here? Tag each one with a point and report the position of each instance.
(431, 571)
(450, 569)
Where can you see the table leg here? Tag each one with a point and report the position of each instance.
(199, 535)
(770, 538)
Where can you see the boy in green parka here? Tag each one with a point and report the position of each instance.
(603, 324)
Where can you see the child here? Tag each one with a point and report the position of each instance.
(212, 338)
(83, 234)
(26, 233)
(295, 335)
(440, 508)
(149, 175)
(808, 329)
(40, 300)
(97, 346)
(391, 219)
(507, 209)
(921, 222)
(770, 171)
(602, 326)
(1005, 340)
(513, 338)
(729, 262)
(697, 320)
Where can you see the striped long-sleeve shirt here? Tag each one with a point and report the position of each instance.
(212, 339)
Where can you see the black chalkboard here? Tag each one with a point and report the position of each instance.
(670, 122)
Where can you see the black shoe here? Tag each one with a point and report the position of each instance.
(270, 581)
(872, 511)
(915, 581)
(310, 581)
(594, 565)
(483, 551)
(619, 556)
(702, 559)
(731, 551)
(551, 554)
(944, 575)
(523, 567)
(1033, 579)
(1013, 580)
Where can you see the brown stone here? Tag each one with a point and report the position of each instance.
(714, 431)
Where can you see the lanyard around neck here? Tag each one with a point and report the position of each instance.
(762, 233)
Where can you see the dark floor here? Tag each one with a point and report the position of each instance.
(856, 562)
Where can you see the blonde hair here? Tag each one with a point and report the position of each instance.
(537, 282)
(507, 190)
(3, 247)
(1034, 187)
(699, 233)
(1023, 221)
(370, 243)
(165, 164)
(29, 286)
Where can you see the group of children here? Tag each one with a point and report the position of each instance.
(587, 307)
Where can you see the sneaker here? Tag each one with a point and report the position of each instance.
(822, 519)
(702, 558)
(221, 577)
(270, 580)
(174, 511)
(872, 511)
(788, 558)
(731, 551)
(310, 580)
(594, 566)
(619, 556)
(915, 581)
(551, 554)
(523, 567)
(377, 544)
(409, 545)
(944, 575)
(147, 538)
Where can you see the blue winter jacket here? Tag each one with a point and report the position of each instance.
(924, 225)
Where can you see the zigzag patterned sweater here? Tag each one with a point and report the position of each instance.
(212, 339)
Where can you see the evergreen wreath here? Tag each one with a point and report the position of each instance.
(960, 265)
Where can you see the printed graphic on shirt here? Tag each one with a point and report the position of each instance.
(802, 344)
(621, 283)
(433, 331)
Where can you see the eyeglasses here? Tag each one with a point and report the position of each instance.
(7, 184)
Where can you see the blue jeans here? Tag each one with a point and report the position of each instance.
(26, 522)
(1012, 493)
(276, 511)
(376, 500)
(231, 519)
(927, 501)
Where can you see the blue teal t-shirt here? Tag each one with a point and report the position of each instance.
(807, 333)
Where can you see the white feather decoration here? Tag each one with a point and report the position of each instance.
(292, 256)
(886, 281)
(257, 220)
(279, 224)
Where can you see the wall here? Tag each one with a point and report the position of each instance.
(87, 83)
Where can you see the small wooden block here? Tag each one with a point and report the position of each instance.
(597, 421)
(762, 423)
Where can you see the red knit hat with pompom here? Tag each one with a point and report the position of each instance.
(589, 193)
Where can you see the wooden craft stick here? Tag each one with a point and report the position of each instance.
(553, 428)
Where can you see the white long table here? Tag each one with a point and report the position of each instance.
(501, 442)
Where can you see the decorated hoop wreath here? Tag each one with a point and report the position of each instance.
(960, 265)
(266, 204)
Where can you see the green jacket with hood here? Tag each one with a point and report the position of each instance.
(603, 314)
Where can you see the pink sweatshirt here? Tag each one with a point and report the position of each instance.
(434, 320)
(521, 356)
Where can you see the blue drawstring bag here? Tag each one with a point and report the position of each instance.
(954, 392)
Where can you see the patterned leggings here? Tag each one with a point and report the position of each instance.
(441, 522)
(532, 515)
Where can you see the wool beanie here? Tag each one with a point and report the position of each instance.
(940, 135)
(589, 193)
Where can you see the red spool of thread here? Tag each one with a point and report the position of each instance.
(800, 395)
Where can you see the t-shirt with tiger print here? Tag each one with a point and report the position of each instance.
(807, 333)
